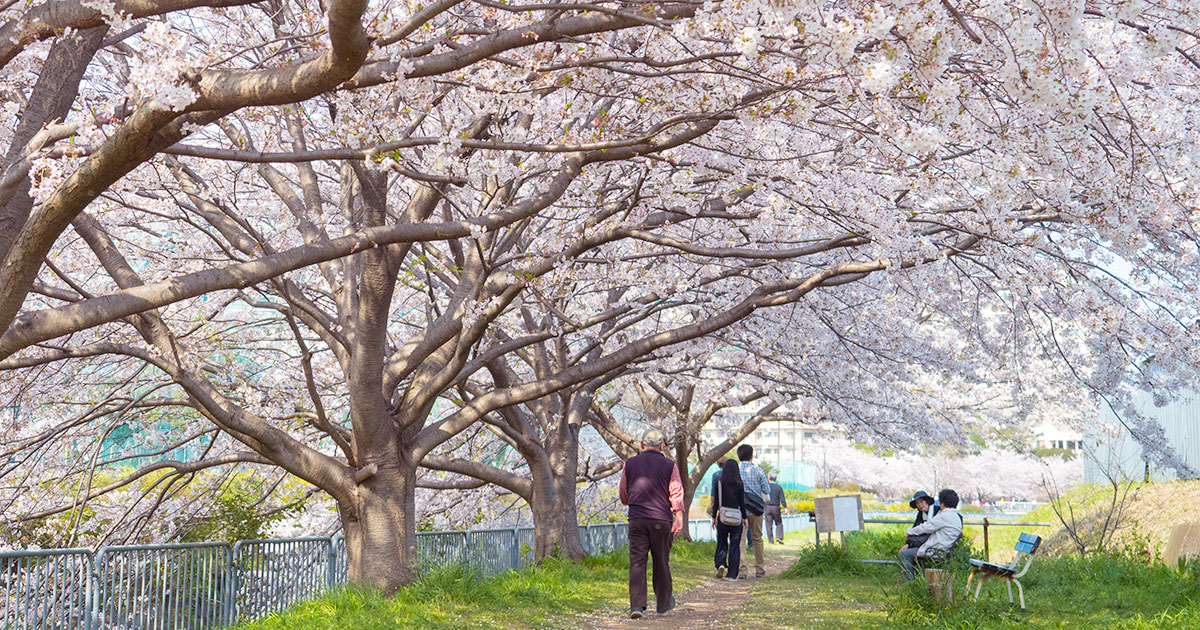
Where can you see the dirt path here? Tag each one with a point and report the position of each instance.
(703, 606)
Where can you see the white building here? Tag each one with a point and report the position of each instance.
(1049, 434)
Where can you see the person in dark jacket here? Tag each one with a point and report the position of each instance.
(773, 514)
(728, 491)
(926, 509)
(653, 490)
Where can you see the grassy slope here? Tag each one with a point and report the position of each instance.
(1153, 509)
(536, 597)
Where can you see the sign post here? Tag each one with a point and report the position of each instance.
(838, 514)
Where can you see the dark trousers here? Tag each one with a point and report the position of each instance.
(652, 537)
(774, 523)
(729, 547)
(908, 563)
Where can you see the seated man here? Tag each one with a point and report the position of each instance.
(944, 530)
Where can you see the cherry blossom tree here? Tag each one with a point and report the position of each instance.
(334, 269)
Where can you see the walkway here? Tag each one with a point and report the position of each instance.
(704, 606)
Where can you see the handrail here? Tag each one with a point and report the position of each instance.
(885, 521)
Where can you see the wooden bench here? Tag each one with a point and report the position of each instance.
(1027, 545)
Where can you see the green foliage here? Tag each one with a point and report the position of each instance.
(825, 559)
(1115, 590)
(876, 543)
(1080, 498)
(1102, 590)
(797, 495)
(239, 515)
(869, 500)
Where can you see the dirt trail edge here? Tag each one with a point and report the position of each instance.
(703, 606)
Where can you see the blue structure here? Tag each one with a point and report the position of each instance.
(792, 476)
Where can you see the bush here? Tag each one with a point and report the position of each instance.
(825, 559)
(883, 543)
(796, 496)
(801, 507)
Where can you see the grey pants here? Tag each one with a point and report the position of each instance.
(773, 522)
(908, 563)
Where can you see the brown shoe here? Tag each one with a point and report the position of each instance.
(760, 572)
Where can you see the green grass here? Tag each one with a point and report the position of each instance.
(829, 589)
(457, 597)
(826, 588)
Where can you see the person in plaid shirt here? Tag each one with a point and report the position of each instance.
(757, 492)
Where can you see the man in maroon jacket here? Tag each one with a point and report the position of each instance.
(651, 487)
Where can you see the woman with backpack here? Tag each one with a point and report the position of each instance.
(728, 511)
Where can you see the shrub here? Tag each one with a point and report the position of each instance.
(876, 543)
(801, 507)
(825, 559)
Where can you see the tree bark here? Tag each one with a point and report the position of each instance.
(682, 454)
(555, 514)
(381, 548)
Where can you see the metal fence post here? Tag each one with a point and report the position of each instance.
(92, 608)
(231, 584)
(516, 548)
(330, 563)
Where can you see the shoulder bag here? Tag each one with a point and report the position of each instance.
(727, 515)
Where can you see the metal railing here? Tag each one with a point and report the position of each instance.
(198, 586)
(46, 589)
(703, 529)
(987, 523)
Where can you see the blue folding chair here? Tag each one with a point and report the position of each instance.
(1026, 546)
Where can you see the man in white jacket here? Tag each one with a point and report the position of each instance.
(944, 530)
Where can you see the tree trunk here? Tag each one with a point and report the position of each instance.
(556, 522)
(555, 514)
(682, 453)
(380, 530)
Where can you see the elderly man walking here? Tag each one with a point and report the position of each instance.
(773, 514)
(651, 487)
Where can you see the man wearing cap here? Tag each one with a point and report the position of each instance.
(651, 487)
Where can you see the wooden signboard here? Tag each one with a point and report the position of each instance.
(839, 514)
